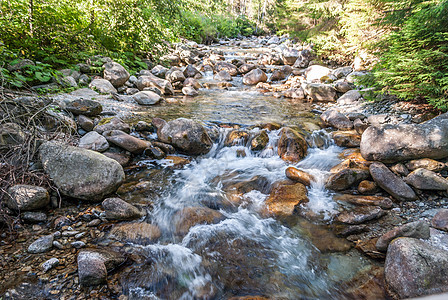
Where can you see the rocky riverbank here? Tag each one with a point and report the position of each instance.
(388, 187)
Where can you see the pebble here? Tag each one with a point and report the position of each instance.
(34, 217)
(58, 245)
(50, 264)
(57, 234)
(78, 244)
(80, 235)
(43, 244)
(93, 223)
(70, 233)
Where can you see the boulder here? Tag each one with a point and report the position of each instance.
(146, 98)
(190, 91)
(281, 74)
(191, 71)
(346, 178)
(186, 135)
(349, 97)
(342, 86)
(20, 64)
(126, 141)
(85, 123)
(222, 75)
(321, 92)
(303, 60)
(298, 93)
(290, 56)
(175, 75)
(192, 216)
(394, 143)
(336, 119)
(417, 230)
(41, 245)
(137, 233)
(292, 146)
(159, 71)
(230, 68)
(117, 209)
(102, 86)
(11, 134)
(113, 124)
(440, 220)
(360, 127)
(424, 179)
(342, 72)
(94, 141)
(80, 173)
(193, 83)
(246, 68)
(93, 265)
(299, 176)
(115, 73)
(284, 197)
(259, 141)
(316, 72)
(426, 163)
(153, 81)
(348, 139)
(236, 138)
(391, 183)
(255, 76)
(27, 197)
(414, 268)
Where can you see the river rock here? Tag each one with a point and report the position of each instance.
(113, 124)
(223, 75)
(417, 230)
(50, 264)
(126, 141)
(394, 143)
(85, 123)
(298, 93)
(33, 217)
(320, 92)
(400, 169)
(117, 209)
(246, 68)
(383, 202)
(115, 73)
(93, 265)
(153, 81)
(391, 183)
(146, 98)
(342, 86)
(189, 91)
(94, 141)
(191, 71)
(414, 268)
(175, 75)
(85, 107)
(346, 178)
(193, 83)
(361, 215)
(300, 176)
(284, 197)
(187, 135)
(336, 119)
(349, 97)
(259, 141)
(424, 179)
(41, 245)
(27, 197)
(255, 76)
(11, 134)
(426, 163)
(290, 56)
(192, 216)
(159, 71)
(102, 86)
(292, 146)
(303, 60)
(138, 233)
(440, 220)
(360, 127)
(80, 173)
(236, 190)
(281, 74)
(342, 72)
(367, 187)
(316, 72)
(230, 68)
(348, 139)
(236, 137)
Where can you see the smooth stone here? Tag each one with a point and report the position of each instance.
(349, 97)
(189, 91)
(236, 138)
(417, 229)
(138, 233)
(115, 73)
(118, 209)
(336, 119)
(113, 124)
(316, 72)
(146, 98)
(346, 178)
(78, 244)
(383, 202)
(222, 76)
(424, 179)
(102, 86)
(255, 76)
(85, 123)
(34, 217)
(347, 139)
(300, 176)
(126, 141)
(27, 197)
(440, 220)
(94, 264)
(189, 217)
(94, 141)
(425, 163)
(41, 245)
(361, 215)
(368, 187)
(50, 264)
(86, 107)
(321, 92)
(292, 147)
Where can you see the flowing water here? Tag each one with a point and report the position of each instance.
(244, 252)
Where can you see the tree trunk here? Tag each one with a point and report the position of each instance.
(30, 17)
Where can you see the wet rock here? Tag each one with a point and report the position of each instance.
(34, 217)
(322, 238)
(146, 98)
(292, 146)
(281, 74)
(346, 178)
(93, 265)
(159, 71)
(85, 123)
(284, 197)
(94, 141)
(417, 230)
(191, 71)
(175, 75)
(414, 268)
(115, 73)
(394, 143)
(85, 107)
(348, 139)
(300, 176)
(425, 163)
(255, 76)
(117, 209)
(303, 60)
(189, 91)
(102, 86)
(316, 72)
(113, 124)
(361, 215)
(50, 264)
(349, 97)
(236, 190)
(11, 134)
(41, 245)
(391, 183)
(27, 197)
(155, 152)
(167, 148)
(246, 68)
(236, 137)
(193, 83)
(440, 220)
(143, 126)
(360, 126)
(259, 141)
(400, 169)
(139, 233)
(336, 119)
(424, 179)
(153, 81)
(383, 202)
(295, 94)
(192, 216)
(228, 67)
(222, 75)
(187, 135)
(80, 173)
(121, 158)
(320, 92)
(78, 244)
(367, 187)
(126, 141)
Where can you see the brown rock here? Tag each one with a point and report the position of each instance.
(361, 215)
(424, 179)
(139, 233)
(336, 119)
(284, 197)
(126, 141)
(418, 230)
(425, 163)
(440, 220)
(368, 187)
(300, 176)
(191, 216)
(236, 137)
(259, 141)
(292, 147)
(117, 209)
(382, 202)
(346, 178)
(346, 138)
(400, 169)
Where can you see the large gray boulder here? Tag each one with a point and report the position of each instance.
(115, 73)
(394, 143)
(391, 183)
(321, 92)
(427, 180)
(417, 229)
(93, 265)
(187, 135)
(150, 80)
(414, 268)
(102, 86)
(255, 76)
(80, 173)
